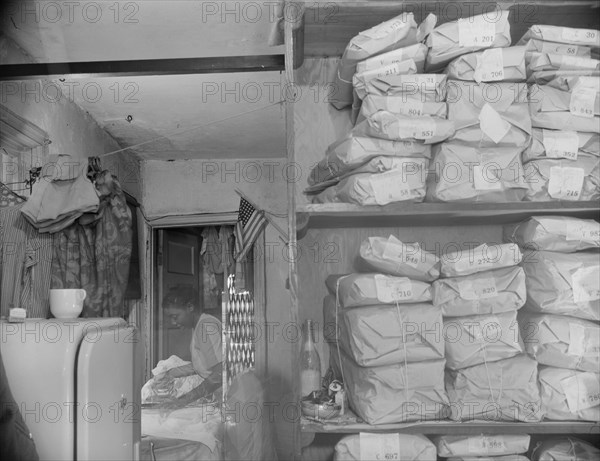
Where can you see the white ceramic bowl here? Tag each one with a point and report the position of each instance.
(67, 303)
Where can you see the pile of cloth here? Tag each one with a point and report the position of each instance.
(560, 322)
(488, 376)
(563, 160)
(381, 326)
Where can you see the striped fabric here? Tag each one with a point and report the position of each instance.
(249, 225)
(26, 259)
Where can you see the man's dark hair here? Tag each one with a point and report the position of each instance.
(181, 296)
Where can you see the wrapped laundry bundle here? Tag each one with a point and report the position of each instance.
(425, 87)
(565, 284)
(559, 34)
(455, 38)
(488, 292)
(397, 258)
(493, 65)
(397, 32)
(355, 150)
(410, 106)
(355, 290)
(561, 341)
(489, 114)
(550, 77)
(535, 45)
(490, 458)
(566, 81)
(505, 390)
(402, 179)
(569, 395)
(371, 446)
(472, 174)
(476, 339)
(550, 179)
(481, 258)
(481, 445)
(561, 144)
(360, 79)
(564, 448)
(552, 61)
(555, 233)
(415, 53)
(396, 393)
(385, 334)
(396, 127)
(575, 110)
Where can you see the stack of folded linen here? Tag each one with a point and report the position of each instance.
(495, 447)
(563, 160)
(385, 334)
(488, 376)
(560, 324)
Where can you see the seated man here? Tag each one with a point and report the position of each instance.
(206, 352)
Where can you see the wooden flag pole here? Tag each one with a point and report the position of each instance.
(276, 226)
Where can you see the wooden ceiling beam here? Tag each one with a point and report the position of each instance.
(207, 65)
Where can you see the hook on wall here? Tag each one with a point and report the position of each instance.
(129, 118)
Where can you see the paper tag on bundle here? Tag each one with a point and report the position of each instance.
(576, 340)
(588, 82)
(392, 289)
(485, 179)
(582, 391)
(583, 231)
(389, 187)
(487, 445)
(490, 66)
(379, 446)
(385, 71)
(476, 31)
(423, 128)
(577, 62)
(481, 289)
(492, 124)
(586, 284)
(561, 144)
(384, 29)
(565, 183)
(582, 101)
(580, 35)
(560, 48)
(397, 251)
(412, 107)
(478, 257)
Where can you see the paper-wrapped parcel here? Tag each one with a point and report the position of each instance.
(559, 448)
(396, 393)
(481, 258)
(489, 114)
(363, 289)
(481, 445)
(561, 283)
(492, 65)
(463, 173)
(559, 34)
(407, 105)
(505, 390)
(553, 144)
(455, 38)
(395, 127)
(569, 394)
(481, 339)
(391, 256)
(561, 341)
(372, 446)
(488, 292)
(562, 234)
(382, 334)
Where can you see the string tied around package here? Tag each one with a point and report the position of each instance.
(487, 370)
(403, 341)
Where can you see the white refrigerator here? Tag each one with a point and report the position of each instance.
(77, 383)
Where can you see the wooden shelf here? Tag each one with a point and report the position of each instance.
(455, 428)
(335, 215)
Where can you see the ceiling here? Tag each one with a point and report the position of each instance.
(232, 115)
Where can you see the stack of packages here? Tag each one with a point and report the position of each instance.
(482, 447)
(564, 448)
(560, 322)
(385, 334)
(563, 160)
(487, 102)
(488, 377)
(399, 447)
(398, 111)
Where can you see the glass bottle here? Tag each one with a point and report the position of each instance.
(310, 362)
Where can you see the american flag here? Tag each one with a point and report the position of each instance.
(249, 225)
